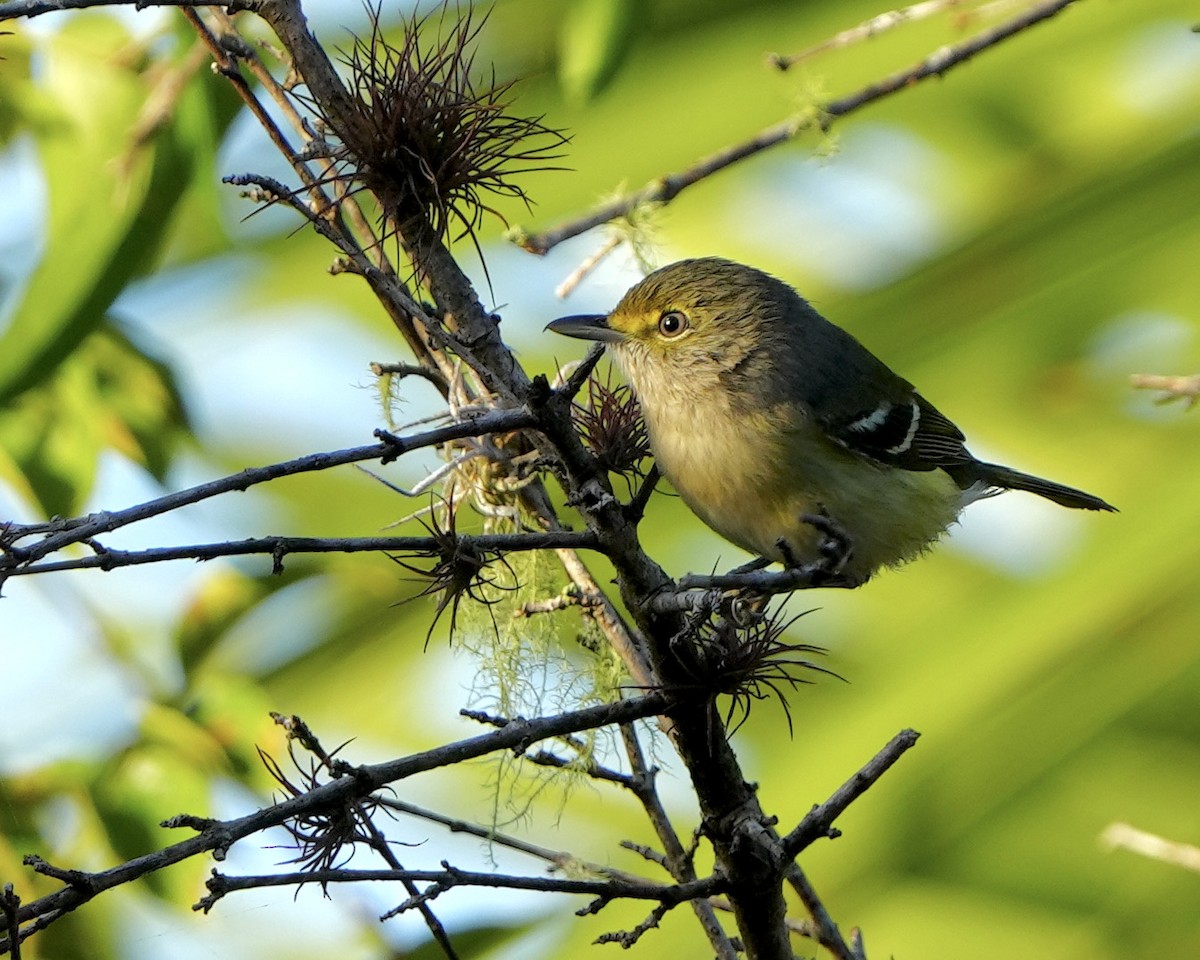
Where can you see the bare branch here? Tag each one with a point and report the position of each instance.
(884, 22)
(668, 187)
(9, 904)
(942, 61)
(818, 821)
(218, 836)
(36, 8)
(636, 507)
(106, 558)
(1174, 388)
(569, 598)
(220, 884)
(409, 370)
(61, 533)
(678, 861)
(1122, 836)
(628, 938)
(593, 260)
(556, 858)
(825, 931)
(322, 840)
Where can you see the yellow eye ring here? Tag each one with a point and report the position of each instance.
(672, 323)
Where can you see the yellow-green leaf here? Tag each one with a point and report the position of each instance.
(596, 37)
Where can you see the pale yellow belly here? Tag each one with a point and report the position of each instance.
(755, 494)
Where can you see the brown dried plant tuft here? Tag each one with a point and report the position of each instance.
(460, 569)
(433, 140)
(612, 426)
(742, 653)
(323, 839)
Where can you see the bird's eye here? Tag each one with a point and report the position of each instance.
(672, 324)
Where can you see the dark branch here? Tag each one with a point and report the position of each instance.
(220, 884)
(943, 60)
(61, 533)
(36, 8)
(220, 835)
(818, 822)
(668, 187)
(279, 547)
(825, 931)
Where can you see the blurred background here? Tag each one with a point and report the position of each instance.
(1017, 238)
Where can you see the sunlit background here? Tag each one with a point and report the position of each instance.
(1016, 238)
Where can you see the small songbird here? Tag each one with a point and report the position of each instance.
(762, 414)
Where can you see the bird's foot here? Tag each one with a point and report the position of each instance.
(758, 563)
(835, 549)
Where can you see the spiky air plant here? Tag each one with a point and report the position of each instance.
(460, 569)
(323, 840)
(611, 423)
(431, 139)
(742, 654)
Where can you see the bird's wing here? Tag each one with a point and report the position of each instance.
(862, 404)
(907, 432)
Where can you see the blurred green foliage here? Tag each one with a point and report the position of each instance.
(1016, 238)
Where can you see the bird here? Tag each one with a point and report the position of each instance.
(782, 432)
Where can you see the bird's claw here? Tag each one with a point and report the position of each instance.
(835, 549)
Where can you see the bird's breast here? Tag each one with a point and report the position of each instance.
(753, 477)
(730, 469)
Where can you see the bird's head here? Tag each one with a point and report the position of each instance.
(692, 319)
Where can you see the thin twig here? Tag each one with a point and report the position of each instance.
(590, 262)
(826, 931)
(220, 835)
(818, 821)
(677, 860)
(1122, 836)
(636, 508)
(63, 533)
(381, 846)
(1174, 388)
(666, 188)
(882, 23)
(364, 828)
(160, 105)
(347, 205)
(592, 769)
(571, 597)
(106, 558)
(626, 641)
(36, 8)
(409, 370)
(341, 221)
(627, 938)
(220, 884)
(582, 371)
(556, 858)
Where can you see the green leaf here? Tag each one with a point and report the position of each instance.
(108, 395)
(596, 37)
(166, 774)
(14, 62)
(236, 712)
(139, 398)
(110, 201)
(55, 441)
(219, 602)
(199, 121)
(482, 941)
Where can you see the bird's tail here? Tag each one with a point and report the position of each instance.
(1005, 478)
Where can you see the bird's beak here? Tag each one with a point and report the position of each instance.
(587, 327)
